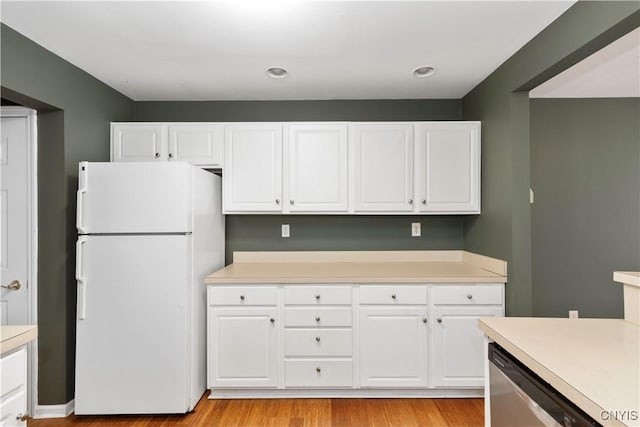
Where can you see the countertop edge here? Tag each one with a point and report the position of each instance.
(587, 405)
(19, 339)
(354, 280)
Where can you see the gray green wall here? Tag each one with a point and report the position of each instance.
(501, 103)
(585, 221)
(74, 111)
(322, 232)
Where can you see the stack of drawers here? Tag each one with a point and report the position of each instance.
(318, 336)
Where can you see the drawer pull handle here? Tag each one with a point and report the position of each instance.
(241, 297)
(170, 156)
(439, 320)
(21, 417)
(410, 201)
(393, 296)
(317, 339)
(157, 155)
(424, 201)
(292, 201)
(469, 296)
(318, 370)
(424, 320)
(318, 319)
(272, 320)
(277, 201)
(317, 296)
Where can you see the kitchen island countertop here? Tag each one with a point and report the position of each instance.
(12, 337)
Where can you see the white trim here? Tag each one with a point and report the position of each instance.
(32, 244)
(55, 411)
(391, 393)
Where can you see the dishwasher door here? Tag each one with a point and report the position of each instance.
(518, 397)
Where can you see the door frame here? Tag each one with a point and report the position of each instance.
(32, 244)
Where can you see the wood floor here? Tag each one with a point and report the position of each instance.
(301, 413)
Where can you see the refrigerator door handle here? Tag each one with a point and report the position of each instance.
(82, 286)
(82, 188)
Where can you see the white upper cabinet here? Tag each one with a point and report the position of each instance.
(316, 167)
(382, 166)
(448, 167)
(138, 142)
(200, 144)
(252, 179)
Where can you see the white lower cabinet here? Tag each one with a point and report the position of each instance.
(243, 347)
(13, 385)
(393, 347)
(374, 336)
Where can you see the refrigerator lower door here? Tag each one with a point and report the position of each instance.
(132, 337)
(134, 198)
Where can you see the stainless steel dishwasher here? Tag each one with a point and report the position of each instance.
(518, 397)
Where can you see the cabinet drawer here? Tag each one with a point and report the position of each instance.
(317, 295)
(243, 295)
(13, 407)
(317, 316)
(13, 371)
(318, 342)
(391, 294)
(318, 373)
(466, 295)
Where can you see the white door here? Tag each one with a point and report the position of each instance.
(132, 324)
(317, 168)
(383, 167)
(458, 350)
(244, 347)
(15, 208)
(134, 197)
(138, 142)
(253, 173)
(393, 347)
(449, 167)
(199, 144)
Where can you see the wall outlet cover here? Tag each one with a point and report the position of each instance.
(573, 314)
(416, 229)
(285, 230)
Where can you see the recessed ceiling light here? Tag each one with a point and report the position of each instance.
(424, 71)
(277, 72)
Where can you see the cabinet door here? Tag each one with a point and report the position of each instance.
(383, 167)
(458, 356)
(317, 167)
(253, 174)
(198, 144)
(449, 167)
(243, 347)
(138, 142)
(393, 347)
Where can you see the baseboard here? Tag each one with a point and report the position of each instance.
(55, 411)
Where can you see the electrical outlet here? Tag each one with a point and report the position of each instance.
(285, 230)
(416, 229)
(573, 314)
(531, 196)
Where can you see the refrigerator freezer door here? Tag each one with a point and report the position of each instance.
(134, 198)
(132, 349)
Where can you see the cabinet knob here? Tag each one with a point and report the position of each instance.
(410, 201)
(393, 296)
(272, 320)
(317, 339)
(291, 201)
(318, 319)
(241, 297)
(317, 296)
(318, 370)
(424, 320)
(157, 155)
(469, 296)
(21, 417)
(439, 320)
(277, 201)
(170, 156)
(424, 201)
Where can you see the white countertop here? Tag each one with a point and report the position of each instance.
(627, 277)
(361, 267)
(593, 362)
(12, 337)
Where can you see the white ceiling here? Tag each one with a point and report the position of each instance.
(611, 72)
(215, 50)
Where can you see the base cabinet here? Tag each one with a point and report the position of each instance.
(13, 385)
(320, 340)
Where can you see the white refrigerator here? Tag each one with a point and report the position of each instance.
(148, 234)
